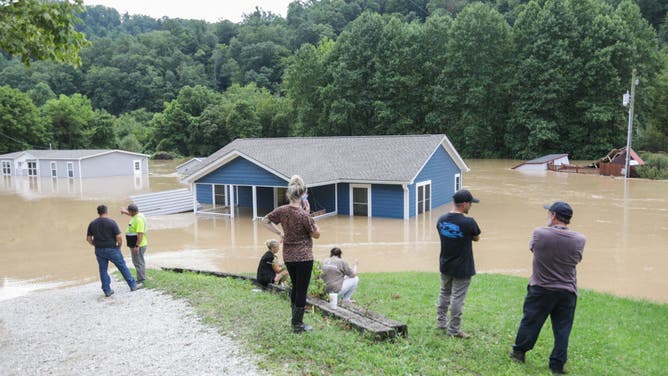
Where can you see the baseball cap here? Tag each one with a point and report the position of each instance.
(133, 207)
(463, 195)
(560, 208)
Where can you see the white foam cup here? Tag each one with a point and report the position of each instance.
(333, 300)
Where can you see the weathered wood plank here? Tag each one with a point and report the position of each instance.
(354, 319)
(382, 328)
(401, 328)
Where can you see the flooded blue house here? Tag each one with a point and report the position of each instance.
(374, 176)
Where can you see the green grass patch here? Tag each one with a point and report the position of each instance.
(611, 335)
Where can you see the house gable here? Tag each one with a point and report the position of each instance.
(440, 170)
(240, 171)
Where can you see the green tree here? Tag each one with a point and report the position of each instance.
(68, 121)
(306, 77)
(354, 64)
(41, 93)
(100, 131)
(567, 87)
(41, 30)
(20, 124)
(175, 129)
(473, 88)
(242, 121)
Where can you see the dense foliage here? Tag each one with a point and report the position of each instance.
(502, 78)
(655, 167)
(41, 30)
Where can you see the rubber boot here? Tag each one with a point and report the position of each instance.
(298, 325)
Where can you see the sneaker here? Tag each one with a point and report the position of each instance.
(461, 335)
(517, 356)
(108, 294)
(138, 286)
(558, 371)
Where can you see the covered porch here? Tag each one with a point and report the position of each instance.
(228, 199)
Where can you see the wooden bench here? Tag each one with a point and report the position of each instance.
(364, 320)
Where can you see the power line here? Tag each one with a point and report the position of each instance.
(14, 139)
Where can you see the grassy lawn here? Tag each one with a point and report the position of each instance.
(611, 336)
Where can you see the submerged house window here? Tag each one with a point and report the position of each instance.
(32, 168)
(54, 170)
(6, 168)
(70, 170)
(136, 166)
(423, 197)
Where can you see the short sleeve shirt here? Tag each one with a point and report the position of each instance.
(104, 231)
(298, 226)
(265, 270)
(138, 224)
(556, 252)
(456, 232)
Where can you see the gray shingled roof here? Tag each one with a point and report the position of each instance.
(65, 154)
(320, 160)
(546, 158)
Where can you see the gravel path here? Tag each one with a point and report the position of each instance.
(77, 331)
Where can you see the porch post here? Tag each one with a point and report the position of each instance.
(254, 188)
(193, 188)
(406, 206)
(231, 201)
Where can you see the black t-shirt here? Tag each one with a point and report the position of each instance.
(104, 231)
(456, 232)
(265, 270)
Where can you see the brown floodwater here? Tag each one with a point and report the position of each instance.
(626, 224)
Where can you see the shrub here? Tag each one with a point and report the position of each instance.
(656, 166)
(317, 286)
(164, 155)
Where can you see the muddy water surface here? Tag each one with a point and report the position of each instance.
(626, 224)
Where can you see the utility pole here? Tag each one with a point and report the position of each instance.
(634, 82)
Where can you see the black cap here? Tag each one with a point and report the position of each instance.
(462, 196)
(560, 208)
(133, 207)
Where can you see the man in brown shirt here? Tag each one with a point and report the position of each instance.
(552, 289)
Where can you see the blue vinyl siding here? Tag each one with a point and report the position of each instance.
(441, 170)
(240, 171)
(245, 198)
(322, 198)
(387, 201)
(265, 198)
(344, 198)
(204, 194)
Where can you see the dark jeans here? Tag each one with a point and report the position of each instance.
(300, 275)
(538, 304)
(104, 256)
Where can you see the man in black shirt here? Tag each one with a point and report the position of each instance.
(103, 233)
(456, 231)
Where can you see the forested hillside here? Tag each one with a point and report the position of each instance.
(502, 78)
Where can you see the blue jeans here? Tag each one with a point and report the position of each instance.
(538, 304)
(104, 255)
